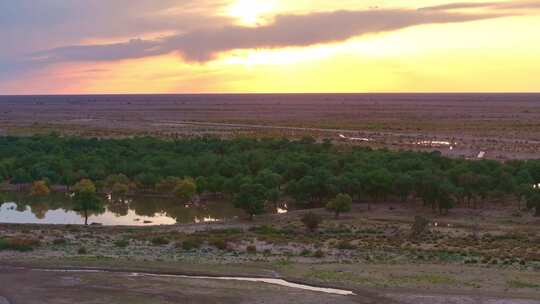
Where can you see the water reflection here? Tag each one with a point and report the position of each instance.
(436, 143)
(207, 219)
(354, 138)
(138, 211)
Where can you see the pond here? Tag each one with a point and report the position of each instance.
(132, 211)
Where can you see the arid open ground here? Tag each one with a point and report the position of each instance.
(505, 126)
(490, 256)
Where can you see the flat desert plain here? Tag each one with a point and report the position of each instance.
(503, 126)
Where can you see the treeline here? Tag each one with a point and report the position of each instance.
(258, 172)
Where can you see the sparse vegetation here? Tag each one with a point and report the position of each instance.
(18, 244)
(191, 244)
(82, 251)
(121, 243)
(319, 254)
(251, 249)
(522, 284)
(420, 227)
(311, 221)
(60, 241)
(159, 241)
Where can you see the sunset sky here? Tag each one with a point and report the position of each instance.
(220, 46)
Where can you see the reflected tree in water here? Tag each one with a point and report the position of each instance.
(118, 206)
(39, 209)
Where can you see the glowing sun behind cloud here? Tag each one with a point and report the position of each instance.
(220, 46)
(250, 12)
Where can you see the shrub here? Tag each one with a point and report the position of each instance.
(319, 254)
(342, 203)
(159, 240)
(191, 244)
(59, 242)
(265, 230)
(345, 245)
(40, 189)
(219, 244)
(305, 252)
(16, 244)
(521, 284)
(251, 249)
(121, 243)
(312, 221)
(420, 227)
(185, 189)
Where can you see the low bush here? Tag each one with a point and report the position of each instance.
(121, 243)
(265, 230)
(305, 252)
(420, 227)
(219, 244)
(345, 245)
(159, 241)
(16, 244)
(59, 242)
(319, 254)
(191, 244)
(312, 221)
(252, 249)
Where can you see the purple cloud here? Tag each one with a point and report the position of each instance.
(285, 31)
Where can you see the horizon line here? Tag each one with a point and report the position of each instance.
(281, 93)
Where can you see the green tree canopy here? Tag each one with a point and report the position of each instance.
(340, 204)
(85, 199)
(251, 199)
(185, 189)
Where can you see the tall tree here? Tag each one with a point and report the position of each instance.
(340, 204)
(185, 189)
(533, 201)
(378, 183)
(40, 189)
(251, 199)
(85, 199)
(403, 186)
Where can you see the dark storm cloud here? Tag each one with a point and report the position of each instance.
(285, 31)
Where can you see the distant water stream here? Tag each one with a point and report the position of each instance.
(272, 281)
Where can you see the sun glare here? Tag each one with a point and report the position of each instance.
(250, 12)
